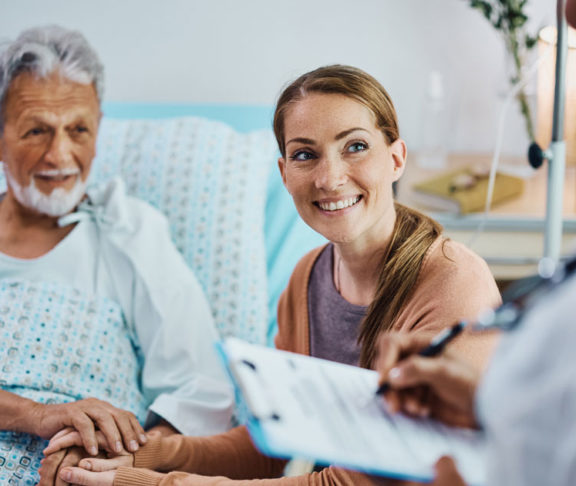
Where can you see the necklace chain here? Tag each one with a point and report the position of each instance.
(337, 276)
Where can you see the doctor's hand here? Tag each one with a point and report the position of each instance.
(441, 387)
(447, 474)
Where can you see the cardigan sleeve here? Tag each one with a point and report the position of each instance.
(230, 454)
(454, 284)
(328, 477)
(293, 326)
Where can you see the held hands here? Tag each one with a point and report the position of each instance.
(119, 428)
(442, 387)
(95, 472)
(90, 471)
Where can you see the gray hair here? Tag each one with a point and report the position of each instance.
(42, 50)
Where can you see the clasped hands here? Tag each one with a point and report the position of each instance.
(83, 432)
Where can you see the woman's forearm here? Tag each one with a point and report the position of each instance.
(230, 454)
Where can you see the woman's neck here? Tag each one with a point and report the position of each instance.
(357, 267)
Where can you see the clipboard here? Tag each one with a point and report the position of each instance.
(326, 412)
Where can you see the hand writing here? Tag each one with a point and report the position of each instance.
(442, 387)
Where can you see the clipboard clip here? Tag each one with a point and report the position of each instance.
(260, 403)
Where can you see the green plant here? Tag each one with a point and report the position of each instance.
(508, 17)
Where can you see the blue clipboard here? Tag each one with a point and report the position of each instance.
(325, 412)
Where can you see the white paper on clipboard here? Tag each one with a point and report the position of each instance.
(328, 412)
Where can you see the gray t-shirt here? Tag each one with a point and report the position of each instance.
(334, 322)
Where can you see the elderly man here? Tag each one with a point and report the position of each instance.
(95, 301)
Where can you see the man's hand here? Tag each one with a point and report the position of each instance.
(442, 387)
(120, 428)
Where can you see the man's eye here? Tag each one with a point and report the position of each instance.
(80, 129)
(302, 155)
(357, 147)
(35, 132)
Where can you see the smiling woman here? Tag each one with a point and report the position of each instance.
(386, 267)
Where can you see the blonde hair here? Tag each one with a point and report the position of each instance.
(413, 232)
(412, 237)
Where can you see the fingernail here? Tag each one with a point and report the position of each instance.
(87, 465)
(133, 445)
(412, 408)
(66, 475)
(118, 446)
(93, 450)
(143, 438)
(394, 373)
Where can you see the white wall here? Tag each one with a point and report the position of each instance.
(244, 51)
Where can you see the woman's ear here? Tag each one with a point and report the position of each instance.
(398, 152)
(282, 167)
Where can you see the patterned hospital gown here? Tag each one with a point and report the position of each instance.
(58, 345)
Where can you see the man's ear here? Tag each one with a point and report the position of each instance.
(399, 153)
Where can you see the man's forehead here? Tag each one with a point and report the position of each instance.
(29, 95)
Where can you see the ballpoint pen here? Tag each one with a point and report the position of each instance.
(435, 347)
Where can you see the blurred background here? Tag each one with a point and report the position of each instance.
(244, 51)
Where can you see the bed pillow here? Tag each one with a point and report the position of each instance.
(210, 182)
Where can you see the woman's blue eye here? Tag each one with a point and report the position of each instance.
(357, 147)
(302, 155)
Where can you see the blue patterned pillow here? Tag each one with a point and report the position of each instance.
(210, 182)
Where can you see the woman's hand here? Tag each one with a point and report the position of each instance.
(442, 387)
(79, 476)
(120, 428)
(68, 438)
(96, 472)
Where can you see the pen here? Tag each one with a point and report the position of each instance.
(435, 347)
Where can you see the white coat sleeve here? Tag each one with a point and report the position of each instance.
(527, 401)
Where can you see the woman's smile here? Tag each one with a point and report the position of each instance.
(337, 205)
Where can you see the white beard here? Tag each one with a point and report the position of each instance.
(58, 203)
